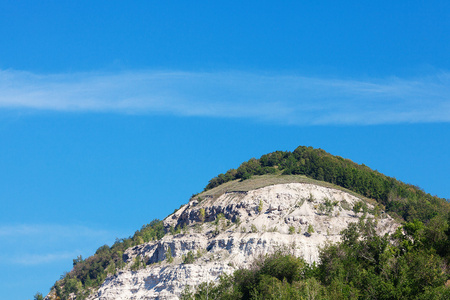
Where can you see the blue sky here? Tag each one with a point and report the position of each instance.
(114, 113)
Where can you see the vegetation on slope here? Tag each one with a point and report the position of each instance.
(363, 266)
(400, 199)
(404, 200)
(261, 181)
(90, 273)
(413, 263)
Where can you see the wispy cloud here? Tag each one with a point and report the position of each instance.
(275, 98)
(34, 244)
(61, 231)
(28, 259)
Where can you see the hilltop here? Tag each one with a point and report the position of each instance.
(293, 202)
(404, 201)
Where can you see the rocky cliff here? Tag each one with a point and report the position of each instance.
(222, 230)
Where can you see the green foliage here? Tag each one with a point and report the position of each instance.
(91, 272)
(283, 266)
(200, 252)
(216, 230)
(357, 207)
(38, 296)
(310, 229)
(185, 229)
(268, 277)
(405, 200)
(345, 205)
(363, 266)
(219, 217)
(260, 206)
(326, 208)
(187, 293)
(253, 228)
(137, 263)
(111, 269)
(202, 214)
(169, 256)
(189, 258)
(291, 229)
(174, 230)
(88, 282)
(360, 206)
(379, 269)
(151, 232)
(198, 228)
(77, 260)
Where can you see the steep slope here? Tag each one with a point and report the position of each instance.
(231, 229)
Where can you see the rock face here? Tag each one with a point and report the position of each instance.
(220, 235)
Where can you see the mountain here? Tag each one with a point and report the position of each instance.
(296, 203)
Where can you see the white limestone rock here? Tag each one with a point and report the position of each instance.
(223, 247)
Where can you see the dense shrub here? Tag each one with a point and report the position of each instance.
(363, 266)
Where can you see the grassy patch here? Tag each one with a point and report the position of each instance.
(257, 182)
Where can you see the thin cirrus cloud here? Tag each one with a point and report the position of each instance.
(288, 99)
(38, 259)
(35, 244)
(62, 231)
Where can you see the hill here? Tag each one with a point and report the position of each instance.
(291, 203)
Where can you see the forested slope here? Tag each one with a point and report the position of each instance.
(406, 265)
(400, 199)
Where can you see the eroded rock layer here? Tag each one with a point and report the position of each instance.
(222, 234)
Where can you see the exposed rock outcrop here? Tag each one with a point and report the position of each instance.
(222, 234)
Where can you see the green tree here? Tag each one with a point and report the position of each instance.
(137, 263)
(169, 256)
(111, 269)
(202, 215)
(88, 281)
(310, 229)
(189, 258)
(187, 293)
(77, 260)
(357, 207)
(260, 206)
(291, 229)
(38, 296)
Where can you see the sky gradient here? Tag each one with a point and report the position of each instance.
(113, 114)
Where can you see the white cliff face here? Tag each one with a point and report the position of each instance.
(229, 232)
